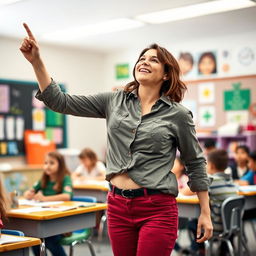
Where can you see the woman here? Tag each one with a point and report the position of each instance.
(145, 126)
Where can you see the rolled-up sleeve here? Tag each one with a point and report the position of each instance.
(191, 153)
(86, 106)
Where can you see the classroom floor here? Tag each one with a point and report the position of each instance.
(104, 249)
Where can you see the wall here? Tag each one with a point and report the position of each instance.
(78, 69)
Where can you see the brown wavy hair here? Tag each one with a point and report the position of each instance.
(62, 171)
(4, 202)
(173, 87)
(88, 153)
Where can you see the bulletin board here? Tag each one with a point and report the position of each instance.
(20, 111)
(218, 101)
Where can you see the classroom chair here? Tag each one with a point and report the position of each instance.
(82, 235)
(231, 214)
(12, 232)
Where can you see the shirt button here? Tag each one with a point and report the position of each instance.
(133, 130)
(129, 153)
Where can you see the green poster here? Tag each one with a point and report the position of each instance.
(237, 99)
(122, 71)
(53, 118)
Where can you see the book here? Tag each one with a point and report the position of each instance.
(7, 239)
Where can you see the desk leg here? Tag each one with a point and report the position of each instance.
(42, 248)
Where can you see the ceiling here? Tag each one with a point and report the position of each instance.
(45, 16)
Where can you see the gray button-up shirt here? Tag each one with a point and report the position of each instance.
(143, 146)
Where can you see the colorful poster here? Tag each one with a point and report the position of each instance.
(38, 119)
(238, 117)
(10, 128)
(3, 148)
(237, 99)
(55, 135)
(206, 93)
(207, 116)
(53, 118)
(2, 135)
(122, 71)
(207, 63)
(4, 98)
(20, 124)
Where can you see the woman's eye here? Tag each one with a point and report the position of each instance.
(155, 60)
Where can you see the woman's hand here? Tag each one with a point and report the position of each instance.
(40, 197)
(204, 228)
(29, 46)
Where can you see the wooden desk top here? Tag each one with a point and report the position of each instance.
(19, 245)
(47, 215)
(247, 193)
(90, 187)
(187, 199)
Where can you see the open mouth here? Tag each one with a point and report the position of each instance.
(144, 70)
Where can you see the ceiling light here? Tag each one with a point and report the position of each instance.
(7, 2)
(93, 29)
(196, 10)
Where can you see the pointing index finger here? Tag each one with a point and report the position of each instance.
(29, 32)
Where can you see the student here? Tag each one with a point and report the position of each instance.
(4, 205)
(145, 125)
(207, 64)
(240, 167)
(222, 185)
(90, 168)
(209, 145)
(186, 62)
(55, 185)
(250, 177)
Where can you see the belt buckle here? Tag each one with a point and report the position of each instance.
(130, 191)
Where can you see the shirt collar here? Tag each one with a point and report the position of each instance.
(164, 98)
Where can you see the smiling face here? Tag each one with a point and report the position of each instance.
(149, 69)
(51, 166)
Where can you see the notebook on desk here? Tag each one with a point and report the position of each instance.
(7, 239)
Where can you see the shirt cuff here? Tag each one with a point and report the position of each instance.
(40, 95)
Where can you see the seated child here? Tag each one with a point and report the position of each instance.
(55, 185)
(221, 187)
(250, 177)
(90, 168)
(240, 167)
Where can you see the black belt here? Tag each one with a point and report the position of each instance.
(131, 193)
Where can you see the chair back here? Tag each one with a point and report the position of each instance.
(231, 213)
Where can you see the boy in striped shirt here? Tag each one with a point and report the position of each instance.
(222, 185)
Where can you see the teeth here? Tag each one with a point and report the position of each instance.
(144, 70)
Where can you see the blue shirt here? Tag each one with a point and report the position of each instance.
(249, 176)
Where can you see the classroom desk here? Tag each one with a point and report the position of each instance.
(189, 205)
(49, 223)
(19, 248)
(97, 190)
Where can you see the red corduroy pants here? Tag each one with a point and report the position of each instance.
(142, 226)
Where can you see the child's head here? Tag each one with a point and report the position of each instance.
(207, 64)
(178, 167)
(88, 158)
(209, 145)
(217, 161)
(54, 166)
(242, 154)
(252, 161)
(186, 62)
